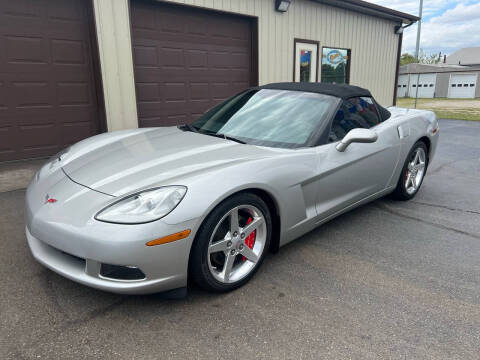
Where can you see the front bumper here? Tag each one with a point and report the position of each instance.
(66, 238)
(87, 271)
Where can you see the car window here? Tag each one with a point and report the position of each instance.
(358, 112)
(268, 117)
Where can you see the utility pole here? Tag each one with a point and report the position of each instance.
(417, 48)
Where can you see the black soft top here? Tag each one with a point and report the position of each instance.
(341, 91)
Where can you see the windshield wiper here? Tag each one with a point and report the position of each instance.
(222, 136)
(190, 128)
(226, 137)
(233, 139)
(212, 133)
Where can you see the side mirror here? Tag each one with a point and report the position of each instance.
(357, 136)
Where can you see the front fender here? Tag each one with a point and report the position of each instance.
(287, 179)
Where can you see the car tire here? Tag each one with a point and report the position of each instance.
(212, 245)
(406, 189)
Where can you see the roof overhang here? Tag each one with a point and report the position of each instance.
(372, 9)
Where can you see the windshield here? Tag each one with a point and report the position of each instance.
(277, 118)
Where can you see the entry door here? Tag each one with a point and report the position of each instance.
(462, 86)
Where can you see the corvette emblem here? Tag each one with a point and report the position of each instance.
(50, 200)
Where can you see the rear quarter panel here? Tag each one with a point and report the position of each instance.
(414, 124)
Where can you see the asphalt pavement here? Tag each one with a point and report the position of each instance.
(389, 280)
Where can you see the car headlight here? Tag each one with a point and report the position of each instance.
(142, 207)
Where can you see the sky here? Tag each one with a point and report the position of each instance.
(447, 25)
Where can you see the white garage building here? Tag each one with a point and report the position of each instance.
(439, 81)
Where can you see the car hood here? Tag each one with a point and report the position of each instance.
(119, 163)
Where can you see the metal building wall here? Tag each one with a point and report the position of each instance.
(372, 42)
(441, 88)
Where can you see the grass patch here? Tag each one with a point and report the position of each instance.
(461, 109)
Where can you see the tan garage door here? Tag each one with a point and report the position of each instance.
(187, 60)
(48, 96)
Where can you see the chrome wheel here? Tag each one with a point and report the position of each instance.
(237, 244)
(415, 171)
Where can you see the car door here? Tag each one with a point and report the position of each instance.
(363, 169)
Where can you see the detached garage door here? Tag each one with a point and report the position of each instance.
(426, 85)
(402, 90)
(462, 86)
(48, 97)
(187, 60)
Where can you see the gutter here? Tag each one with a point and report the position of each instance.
(372, 9)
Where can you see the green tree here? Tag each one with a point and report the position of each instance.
(407, 58)
(429, 59)
(423, 58)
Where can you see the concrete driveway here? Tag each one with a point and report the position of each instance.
(387, 280)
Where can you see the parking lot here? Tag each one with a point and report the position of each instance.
(387, 280)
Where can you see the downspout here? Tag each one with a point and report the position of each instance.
(397, 71)
(399, 55)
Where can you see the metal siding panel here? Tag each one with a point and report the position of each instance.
(346, 31)
(284, 73)
(384, 60)
(303, 23)
(277, 38)
(326, 24)
(311, 21)
(242, 7)
(365, 64)
(320, 34)
(235, 6)
(251, 6)
(227, 5)
(336, 19)
(378, 88)
(271, 43)
(368, 64)
(262, 40)
(380, 55)
(291, 35)
(296, 20)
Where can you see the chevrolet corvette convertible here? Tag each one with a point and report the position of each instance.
(147, 210)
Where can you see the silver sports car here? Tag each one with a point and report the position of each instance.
(145, 210)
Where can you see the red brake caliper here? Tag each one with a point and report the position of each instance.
(250, 239)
